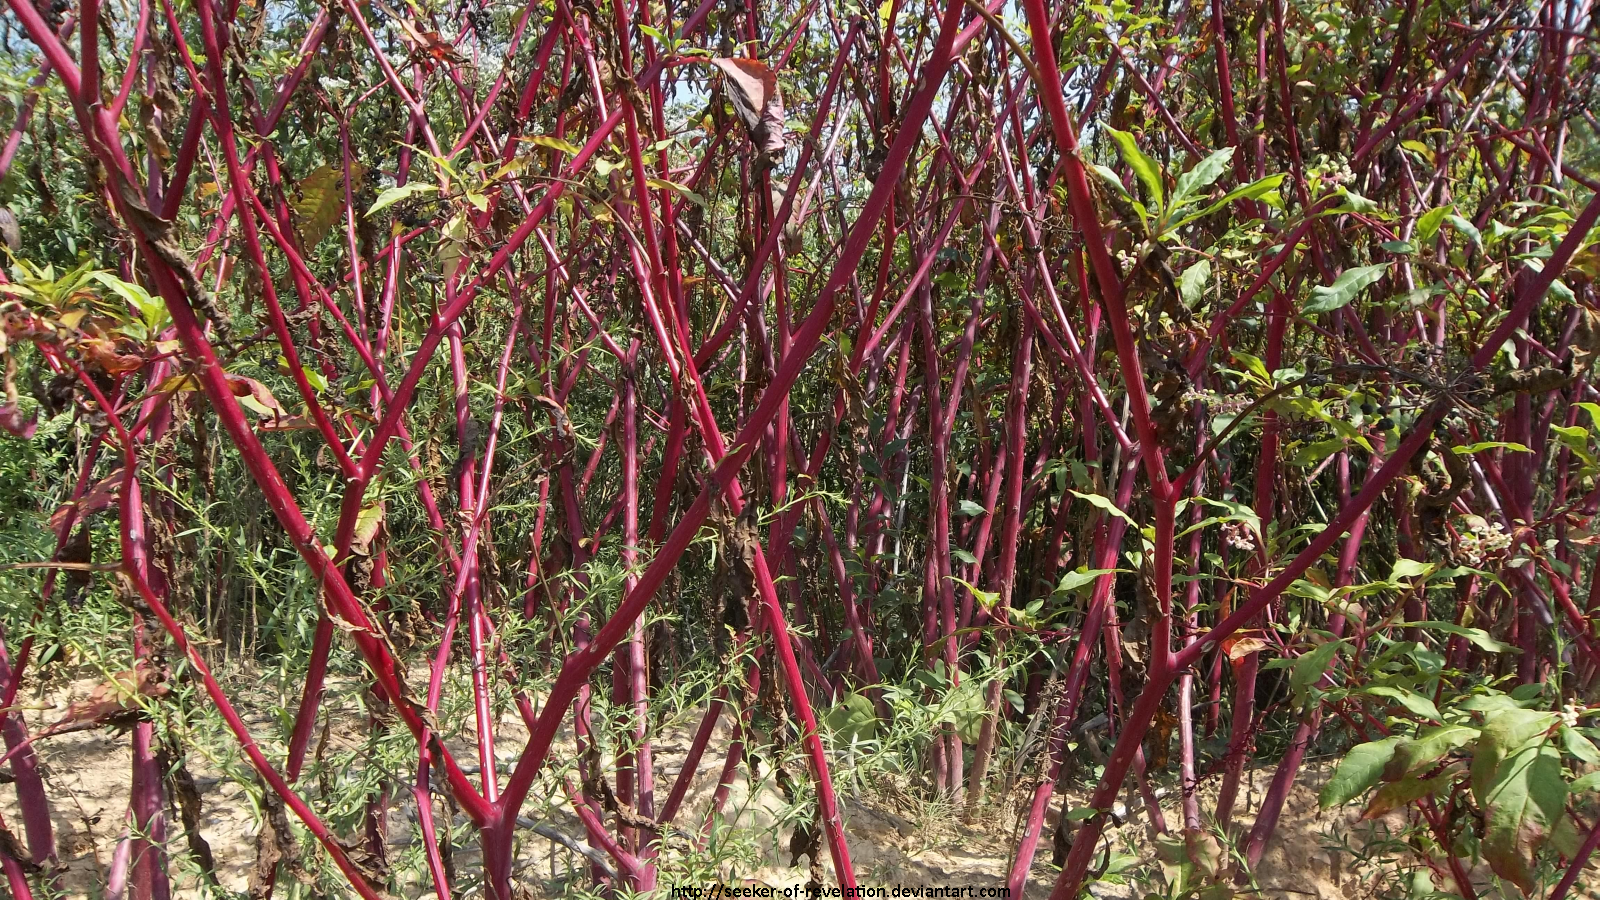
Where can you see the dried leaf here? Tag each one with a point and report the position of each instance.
(114, 701)
(274, 843)
(10, 232)
(368, 526)
(18, 423)
(321, 201)
(102, 354)
(1240, 647)
(753, 88)
(101, 496)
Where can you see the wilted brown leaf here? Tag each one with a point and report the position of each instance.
(753, 88)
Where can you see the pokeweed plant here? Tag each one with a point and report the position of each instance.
(907, 388)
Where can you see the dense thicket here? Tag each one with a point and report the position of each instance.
(919, 388)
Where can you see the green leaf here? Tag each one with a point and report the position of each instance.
(1354, 202)
(1523, 804)
(1504, 732)
(1399, 793)
(1579, 746)
(152, 310)
(394, 195)
(1144, 168)
(1102, 502)
(1358, 772)
(1589, 782)
(1426, 748)
(1344, 288)
(1312, 665)
(1192, 283)
(968, 709)
(969, 508)
(1468, 449)
(1466, 228)
(451, 249)
(314, 378)
(986, 599)
(1080, 578)
(1255, 190)
(1428, 223)
(852, 719)
(1415, 703)
(1110, 178)
(1409, 568)
(1202, 176)
(1476, 636)
(661, 184)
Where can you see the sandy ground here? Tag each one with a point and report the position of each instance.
(894, 838)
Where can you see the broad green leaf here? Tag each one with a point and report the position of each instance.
(1344, 289)
(1504, 733)
(852, 719)
(1467, 449)
(1426, 748)
(152, 310)
(969, 508)
(394, 195)
(1110, 178)
(1205, 851)
(1523, 803)
(1579, 746)
(1589, 782)
(1254, 365)
(968, 709)
(1204, 173)
(1255, 190)
(1103, 502)
(1414, 702)
(1192, 283)
(1144, 168)
(1080, 578)
(452, 248)
(1396, 794)
(1466, 228)
(661, 184)
(1312, 665)
(986, 599)
(1409, 568)
(1476, 636)
(1358, 771)
(1428, 224)
(1354, 202)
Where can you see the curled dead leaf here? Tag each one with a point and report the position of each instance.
(752, 85)
(114, 701)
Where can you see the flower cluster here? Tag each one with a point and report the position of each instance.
(1239, 536)
(1330, 172)
(1480, 540)
(1569, 714)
